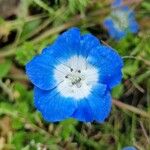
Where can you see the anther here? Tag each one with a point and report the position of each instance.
(66, 76)
(79, 71)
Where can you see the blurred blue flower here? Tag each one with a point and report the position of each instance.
(129, 148)
(120, 21)
(73, 78)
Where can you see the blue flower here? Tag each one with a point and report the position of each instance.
(73, 77)
(120, 21)
(129, 148)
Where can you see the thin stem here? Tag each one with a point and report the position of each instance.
(144, 132)
(131, 108)
(137, 58)
(73, 22)
(7, 90)
(56, 30)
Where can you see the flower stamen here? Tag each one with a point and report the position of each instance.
(76, 78)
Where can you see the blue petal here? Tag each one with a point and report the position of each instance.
(108, 23)
(131, 14)
(83, 111)
(53, 106)
(113, 32)
(117, 3)
(100, 104)
(120, 35)
(88, 41)
(91, 108)
(72, 43)
(109, 63)
(49, 49)
(129, 148)
(133, 26)
(40, 71)
(126, 9)
(66, 45)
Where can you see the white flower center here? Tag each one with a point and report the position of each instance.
(75, 77)
(120, 19)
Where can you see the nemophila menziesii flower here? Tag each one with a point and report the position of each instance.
(129, 148)
(73, 78)
(120, 21)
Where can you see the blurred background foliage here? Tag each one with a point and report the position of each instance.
(26, 27)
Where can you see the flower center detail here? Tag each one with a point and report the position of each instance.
(75, 77)
(120, 19)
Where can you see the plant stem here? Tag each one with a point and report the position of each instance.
(7, 90)
(131, 108)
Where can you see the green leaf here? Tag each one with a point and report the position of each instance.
(2, 21)
(16, 124)
(29, 27)
(117, 91)
(7, 109)
(25, 98)
(25, 53)
(130, 68)
(68, 127)
(4, 68)
(77, 5)
(146, 5)
(18, 139)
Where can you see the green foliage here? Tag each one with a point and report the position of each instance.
(146, 5)
(25, 53)
(29, 27)
(130, 69)
(1, 20)
(117, 91)
(77, 5)
(4, 68)
(6, 108)
(68, 128)
(36, 25)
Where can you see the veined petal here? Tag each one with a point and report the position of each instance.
(109, 63)
(113, 32)
(83, 111)
(117, 3)
(108, 22)
(91, 108)
(119, 35)
(129, 148)
(52, 105)
(88, 41)
(66, 45)
(100, 104)
(110, 27)
(133, 26)
(40, 71)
